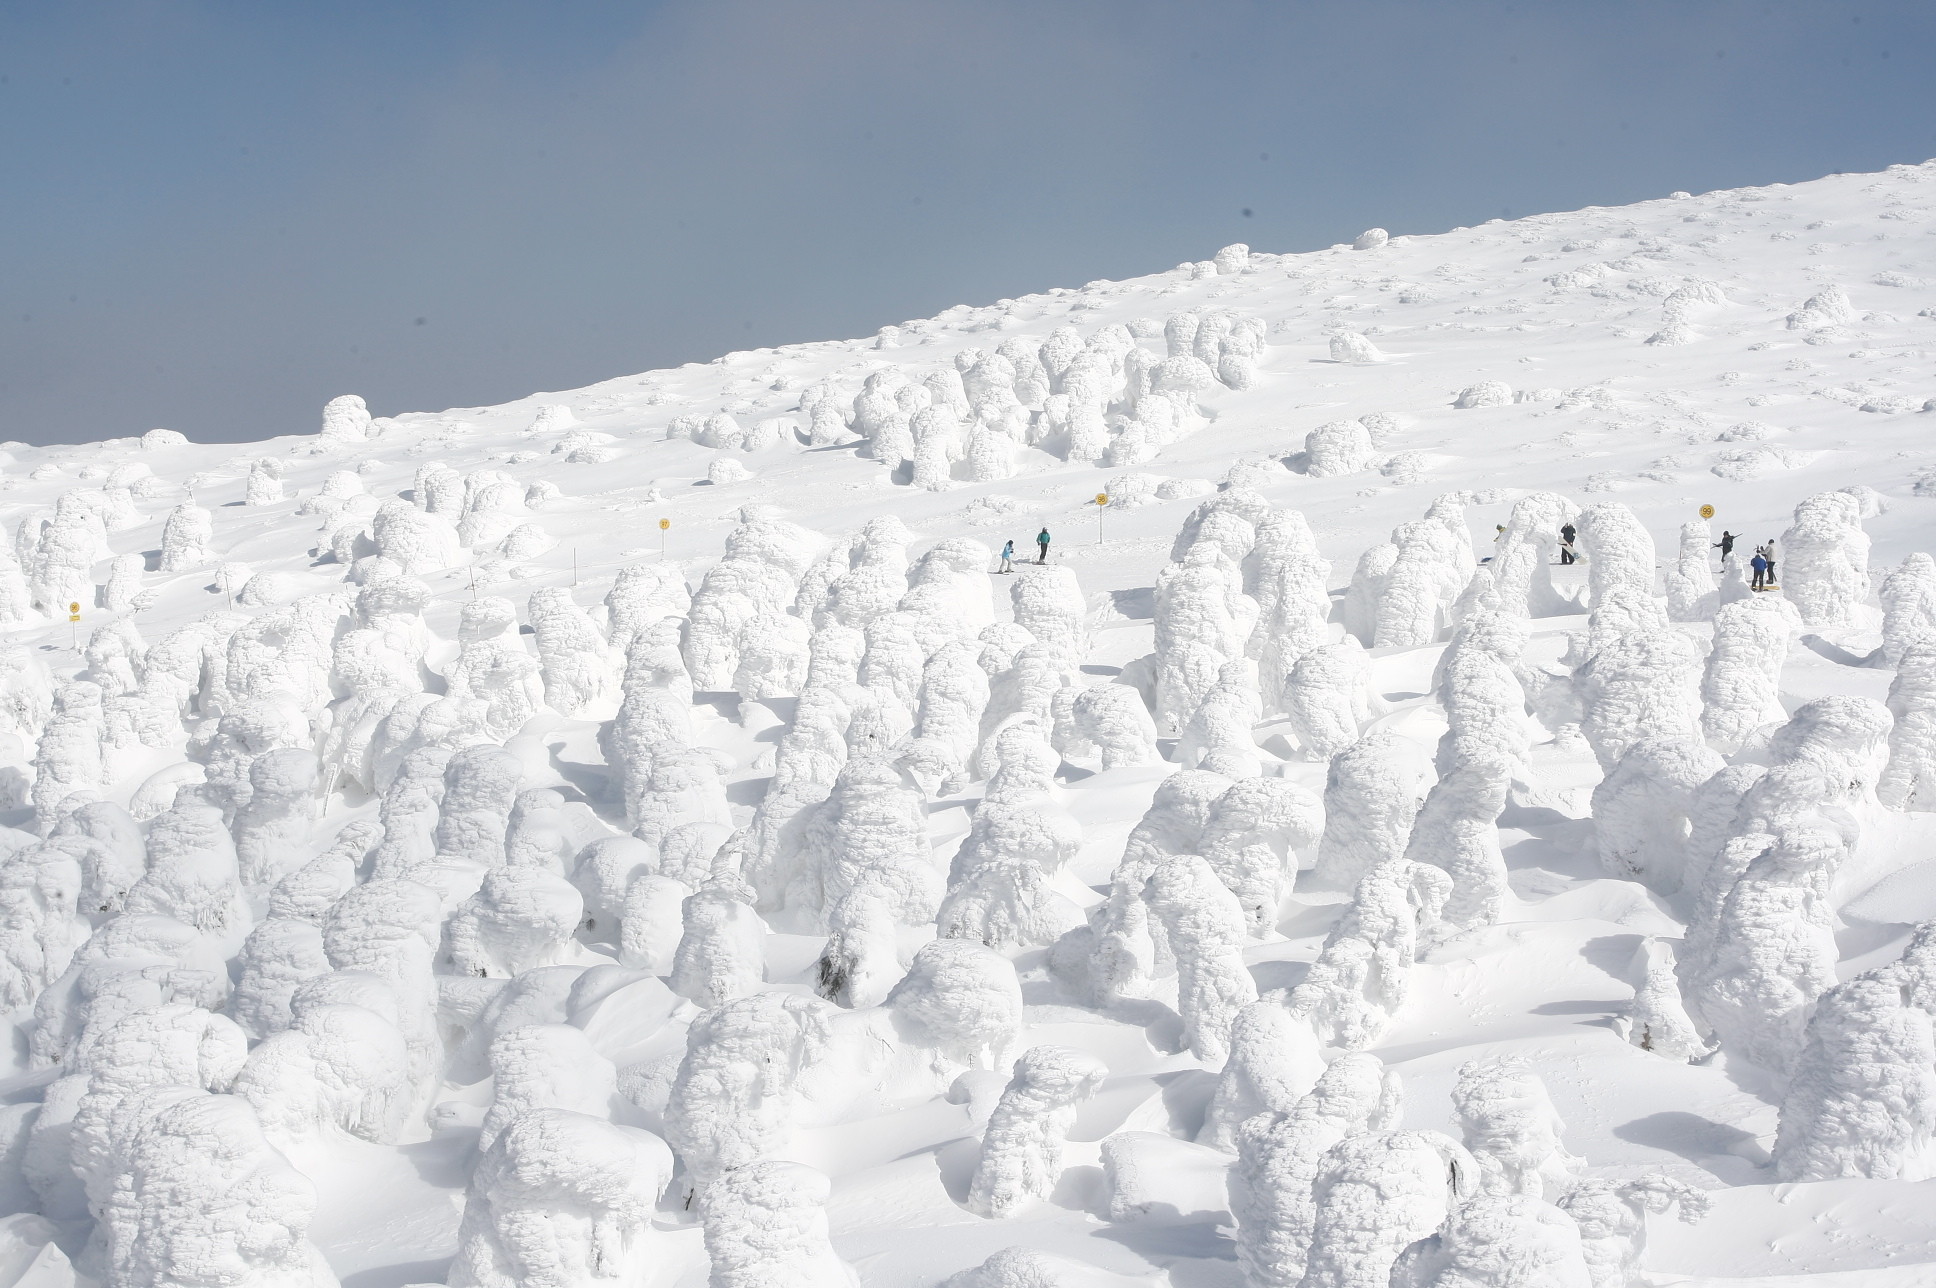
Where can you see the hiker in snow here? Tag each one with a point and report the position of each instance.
(1042, 541)
(1567, 534)
(1768, 553)
(1760, 566)
(1726, 543)
(1008, 553)
(1498, 535)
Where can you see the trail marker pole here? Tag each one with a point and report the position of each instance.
(73, 627)
(663, 525)
(1102, 503)
(574, 567)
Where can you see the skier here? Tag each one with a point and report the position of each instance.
(1567, 534)
(1008, 553)
(1042, 541)
(1726, 543)
(1760, 566)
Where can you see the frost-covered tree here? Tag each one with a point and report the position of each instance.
(1641, 684)
(1280, 1152)
(1252, 840)
(1372, 792)
(1825, 560)
(1908, 596)
(338, 1066)
(1419, 586)
(1691, 592)
(1021, 1149)
(581, 671)
(1204, 925)
(1498, 1239)
(1376, 1194)
(766, 1224)
(1659, 1021)
(1275, 1059)
(1328, 699)
(1112, 719)
(722, 948)
(1908, 780)
(1340, 447)
(1612, 1220)
(1619, 552)
(1643, 810)
(1457, 832)
(1862, 1101)
(271, 830)
(960, 1001)
(1772, 953)
(1001, 882)
(519, 919)
(1741, 684)
(203, 1198)
(1511, 1129)
(560, 1199)
(734, 1097)
(1362, 974)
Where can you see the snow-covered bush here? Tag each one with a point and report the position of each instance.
(580, 669)
(1487, 393)
(1824, 567)
(1498, 1238)
(519, 919)
(265, 482)
(1619, 552)
(1354, 347)
(1021, 1150)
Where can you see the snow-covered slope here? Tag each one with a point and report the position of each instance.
(635, 834)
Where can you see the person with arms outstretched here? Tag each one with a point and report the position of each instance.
(1008, 553)
(1726, 544)
(1042, 542)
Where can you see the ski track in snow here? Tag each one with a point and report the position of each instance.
(336, 905)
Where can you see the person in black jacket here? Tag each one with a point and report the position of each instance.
(1726, 544)
(1567, 534)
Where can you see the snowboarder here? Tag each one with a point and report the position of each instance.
(1042, 541)
(1008, 553)
(1567, 534)
(1726, 544)
(1760, 566)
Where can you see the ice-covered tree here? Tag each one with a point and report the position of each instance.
(560, 1199)
(1204, 925)
(1824, 566)
(1372, 792)
(1862, 1101)
(736, 1092)
(1275, 1059)
(1741, 684)
(1612, 1220)
(1362, 974)
(1643, 810)
(1511, 1129)
(1908, 780)
(1908, 596)
(1376, 1194)
(1279, 1154)
(1021, 1149)
(766, 1224)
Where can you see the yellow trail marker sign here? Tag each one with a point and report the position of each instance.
(664, 524)
(74, 612)
(1102, 498)
(1707, 512)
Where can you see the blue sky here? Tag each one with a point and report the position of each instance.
(217, 216)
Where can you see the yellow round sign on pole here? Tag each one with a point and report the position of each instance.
(1707, 512)
(664, 524)
(74, 612)
(1102, 498)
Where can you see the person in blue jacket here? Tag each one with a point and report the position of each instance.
(1760, 566)
(1042, 542)
(1008, 553)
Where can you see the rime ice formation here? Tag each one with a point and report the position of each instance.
(419, 865)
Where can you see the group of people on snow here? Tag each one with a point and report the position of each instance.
(1762, 564)
(1042, 551)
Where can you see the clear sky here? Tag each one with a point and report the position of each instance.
(216, 216)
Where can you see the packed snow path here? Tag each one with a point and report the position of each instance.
(635, 835)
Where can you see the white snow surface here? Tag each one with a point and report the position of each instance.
(503, 845)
